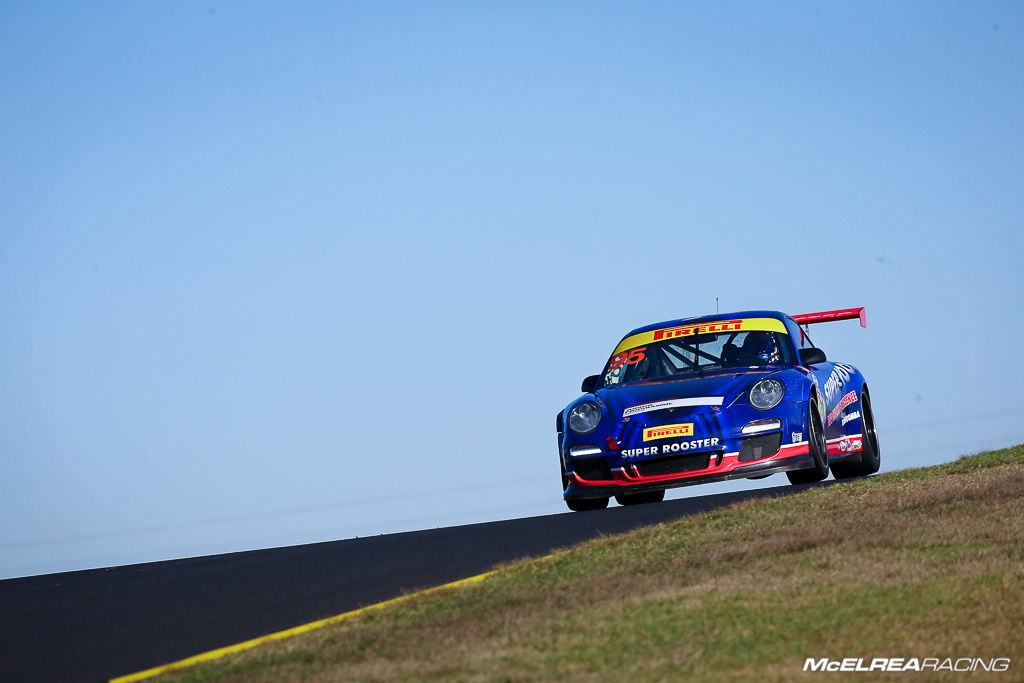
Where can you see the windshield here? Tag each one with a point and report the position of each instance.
(697, 353)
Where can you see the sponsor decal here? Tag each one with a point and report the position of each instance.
(841, 374)
(705, 328)
(677, 447)
(742, 324)
(848, 445)
(850, 416)
(668, 431)
(689, 445)
(673, 403)
(798, 437)
(849, 399)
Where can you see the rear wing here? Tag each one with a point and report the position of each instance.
(830, 316)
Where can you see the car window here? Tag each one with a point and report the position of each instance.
(805, 338)
(697, 354)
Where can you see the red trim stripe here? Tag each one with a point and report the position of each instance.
(830, 316)
(730, 461)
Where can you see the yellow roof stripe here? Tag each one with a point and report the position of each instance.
(737, 325)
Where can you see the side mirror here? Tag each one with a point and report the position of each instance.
(589, 384)
(812, 356)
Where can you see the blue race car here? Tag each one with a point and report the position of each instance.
(698, 400)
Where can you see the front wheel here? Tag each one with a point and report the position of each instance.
(584, 504)
(819, 450)
(580, 504)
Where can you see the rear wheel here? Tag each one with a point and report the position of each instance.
(584, 504)
(640, 498)
(870, 460)
(819, 451)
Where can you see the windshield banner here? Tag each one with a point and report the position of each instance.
(718, 326)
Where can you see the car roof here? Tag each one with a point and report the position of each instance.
(707, 318)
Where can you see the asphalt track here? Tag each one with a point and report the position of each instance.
(97, 624)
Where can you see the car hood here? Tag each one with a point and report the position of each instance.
(618, 398)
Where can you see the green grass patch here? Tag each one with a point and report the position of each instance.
(918, 563)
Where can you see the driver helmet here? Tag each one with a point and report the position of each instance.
(760, 346)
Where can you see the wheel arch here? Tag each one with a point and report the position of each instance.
(814, 394)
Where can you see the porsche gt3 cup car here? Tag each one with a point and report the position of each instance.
(712, 398)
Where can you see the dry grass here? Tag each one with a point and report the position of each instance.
(921, 563)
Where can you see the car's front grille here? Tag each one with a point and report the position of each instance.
(758, 447)
(592, 469)
(673, 465)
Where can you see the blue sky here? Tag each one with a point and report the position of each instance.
(275, 273)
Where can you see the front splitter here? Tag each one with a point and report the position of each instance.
(577, 491)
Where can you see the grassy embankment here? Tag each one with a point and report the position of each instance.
(917, 563)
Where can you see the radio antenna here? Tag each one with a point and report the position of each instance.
(716, 305)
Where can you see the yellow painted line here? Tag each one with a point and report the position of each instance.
(287, 633)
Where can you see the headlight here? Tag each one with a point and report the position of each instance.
(766, 394)
(584, 418)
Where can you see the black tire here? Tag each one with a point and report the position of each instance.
(565, 478)
(870, 458)
(819, 450)
(640, 498)
(584, 504)
(580, 504)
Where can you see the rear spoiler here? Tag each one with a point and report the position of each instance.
(829, 316)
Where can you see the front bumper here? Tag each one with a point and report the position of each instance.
(721, 467)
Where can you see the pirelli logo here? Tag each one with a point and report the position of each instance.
(668, 431)
(714, 327)
(706, 328)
